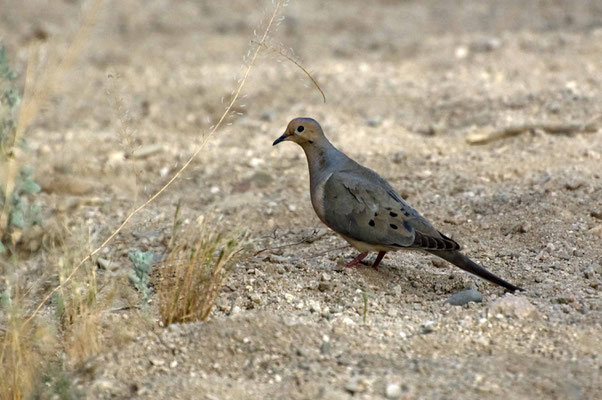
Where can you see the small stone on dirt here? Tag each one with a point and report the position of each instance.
(355, 385)
(147, 150)
(393, 391)
(157, 362)
(464, 297)
(324, 286)
(596, 213)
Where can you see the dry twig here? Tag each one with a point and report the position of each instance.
(205, 139)
(549, 127)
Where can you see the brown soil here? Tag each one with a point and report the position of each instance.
(406, 84)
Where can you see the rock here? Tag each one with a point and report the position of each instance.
(393, 391)
(398, 157)
(355, 385)
(464, 297)
(590, 271)
(522, 227)
(278, 259)
(597, 230)
(105, 264)
(314, 306)
(573, 182)
(157, 362)
(255, 298)
(147, 150)
(429, 327)
(324, 286)
(485, 45)
(438, 263)
(513, 306)
(268, 116)
(373, 122)
(105, 385)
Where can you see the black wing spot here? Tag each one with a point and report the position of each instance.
(376, 214)
(393, 214)
(371, 223)
(393, 226)
(407, 214)
(388, 208)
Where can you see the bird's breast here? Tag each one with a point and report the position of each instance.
(317, 197)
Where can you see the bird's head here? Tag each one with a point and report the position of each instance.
(303, 131)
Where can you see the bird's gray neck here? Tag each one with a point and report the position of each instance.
(323, 159)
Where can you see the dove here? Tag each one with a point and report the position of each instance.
(363, 208)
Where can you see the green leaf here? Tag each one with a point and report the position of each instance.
(5, 300)
(17, 218)
(30, 187)
(142, 265)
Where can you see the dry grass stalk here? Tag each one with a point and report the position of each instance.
(191, 276)
(28, 349)
(37, 93)
(78, 307)
(205, 139)
(126, 132)
(282, 52)
(19, 359)
(548, 127)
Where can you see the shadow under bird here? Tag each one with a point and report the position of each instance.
(365, 210)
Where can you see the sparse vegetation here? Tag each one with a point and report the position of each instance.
(19, 357)
(38, 351)
(142, 265)
(191, 276)
(9, 101)
(20, 212)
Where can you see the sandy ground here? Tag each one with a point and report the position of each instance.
(407, 83)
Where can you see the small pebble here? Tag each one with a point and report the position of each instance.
(355, 385)
(393, 391)
(157, 362)
(464, 297)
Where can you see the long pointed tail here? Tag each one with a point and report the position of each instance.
(465, 263)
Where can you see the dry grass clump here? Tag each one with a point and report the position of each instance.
(192, 274)
(80, 302)
(19, 357)
(32, 348)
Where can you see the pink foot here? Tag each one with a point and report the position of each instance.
(381, 255)
(357, 259)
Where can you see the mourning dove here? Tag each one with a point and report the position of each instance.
(365, 210)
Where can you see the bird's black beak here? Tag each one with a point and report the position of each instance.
(280, 139)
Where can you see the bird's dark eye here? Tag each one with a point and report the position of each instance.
(300, 128)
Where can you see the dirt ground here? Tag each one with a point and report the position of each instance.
(407, 84)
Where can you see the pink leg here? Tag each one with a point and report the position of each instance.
(381, 255)
(357, 259)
